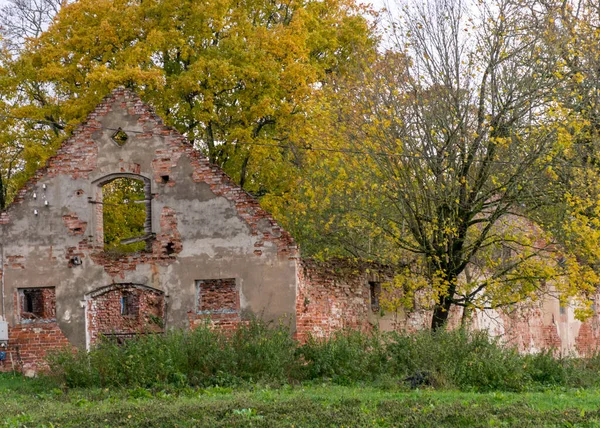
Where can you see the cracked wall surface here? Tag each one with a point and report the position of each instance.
(204, 227)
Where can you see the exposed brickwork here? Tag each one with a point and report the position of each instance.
(262, 223)
(37, 304)
(168, 241)
(124, 310)
(217, 296)
(73, 224)
(129, 167)
(77, 157)
(332, 296)
(335, 295)
(588, 337)
(525, 329)
(29, 344)
(15, 262)
(163, 164)
(218, 302)
(222, 322)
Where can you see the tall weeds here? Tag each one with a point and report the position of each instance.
(257, 352)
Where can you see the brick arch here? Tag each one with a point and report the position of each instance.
(97, 186)
(123, 310)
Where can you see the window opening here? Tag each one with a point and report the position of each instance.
(120, 137)
(129, 304)
(217, 296)
(375, 291)
(170, 249)
(38, 303)
(126, 215)
(29, 306)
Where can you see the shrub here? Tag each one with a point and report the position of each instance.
(201, 357)
(546, 370)
(346, 356)
(466, 360)
(259, 352)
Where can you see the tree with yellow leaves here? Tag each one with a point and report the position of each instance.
(442, 154)
(235, 77)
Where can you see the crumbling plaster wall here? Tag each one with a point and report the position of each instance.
(336, 295)
(205, 226)
(542, 325)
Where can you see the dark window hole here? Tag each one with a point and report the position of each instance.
(375, 291)
(170, 248)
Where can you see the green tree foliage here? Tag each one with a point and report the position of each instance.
(123, 214)
(442, 151)
(571, 33)
(236, 77)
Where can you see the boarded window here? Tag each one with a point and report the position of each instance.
(123, 311)
(217, 296)
(129, 304)
(37, 304)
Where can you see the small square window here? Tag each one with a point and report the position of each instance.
(217, 296)
(37, 304)
(129, 304)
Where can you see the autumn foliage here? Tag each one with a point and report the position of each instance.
(459, 138)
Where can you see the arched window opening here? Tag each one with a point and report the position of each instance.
(126, 215)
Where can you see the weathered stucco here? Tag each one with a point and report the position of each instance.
(205, 227)
(212, 254)
(336, 295)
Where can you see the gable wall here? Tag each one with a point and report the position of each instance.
(206, 227)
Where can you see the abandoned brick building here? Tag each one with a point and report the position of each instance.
(210, 252)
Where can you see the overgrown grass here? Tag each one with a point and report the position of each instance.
(203, 357)
(290, 406)
(267, 355)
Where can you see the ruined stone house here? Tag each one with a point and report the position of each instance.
(210, 252)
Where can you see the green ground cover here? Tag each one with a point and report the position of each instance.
(32, 403)
(260, 376)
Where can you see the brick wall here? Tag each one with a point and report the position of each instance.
(124, 311)
(28, 345)
(217, 302)
(78, 158)
(334, 295)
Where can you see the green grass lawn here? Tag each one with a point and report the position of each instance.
(31, 403)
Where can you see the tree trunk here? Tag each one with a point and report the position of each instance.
(441, 310)
(2, 196)
(244, 170)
